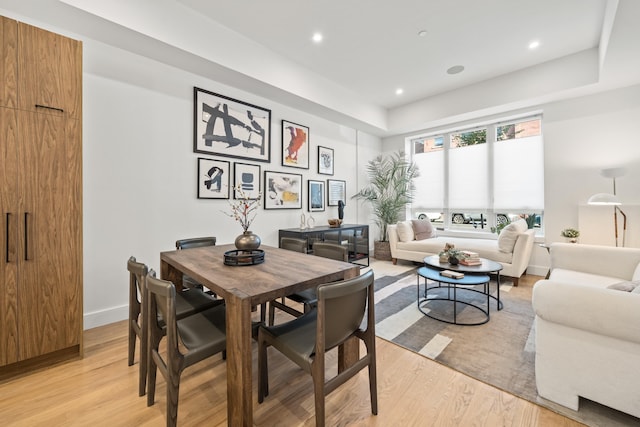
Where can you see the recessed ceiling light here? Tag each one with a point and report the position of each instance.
(455, 69)
(317, 37)
(422, 33)
(534, 44)
(399, 91)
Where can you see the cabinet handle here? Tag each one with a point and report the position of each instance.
(26, 236)
(7, 238)
(50, 108)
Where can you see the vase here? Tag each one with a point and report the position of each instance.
(453, 260)
(247, 241)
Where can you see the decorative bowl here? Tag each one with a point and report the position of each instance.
(334, 222)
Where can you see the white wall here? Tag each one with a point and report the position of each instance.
(140, 171)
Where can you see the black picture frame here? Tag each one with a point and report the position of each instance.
(213, 178)
(282, 190)
(295, 145)
(315, 195)
(247, 177)
(325, 160)
(336, 190)
(224, 126)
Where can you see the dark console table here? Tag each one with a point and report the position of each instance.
(355, 236)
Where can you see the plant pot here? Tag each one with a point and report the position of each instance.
(382, 251)
(247, 241)
(453, 260)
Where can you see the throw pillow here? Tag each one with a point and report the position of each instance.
(405, 231)
(509, 235)
(626, 286)
(423, 229)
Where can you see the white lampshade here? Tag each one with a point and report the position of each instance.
(604, 199)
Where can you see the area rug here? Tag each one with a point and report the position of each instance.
(500, 352)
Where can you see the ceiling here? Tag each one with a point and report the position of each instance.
(370, 49)
(373, 47)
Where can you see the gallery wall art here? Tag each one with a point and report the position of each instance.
(213, 179)
(225, 126)
(295, 145)
(282, 190)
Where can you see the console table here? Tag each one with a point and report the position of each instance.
(355, 236)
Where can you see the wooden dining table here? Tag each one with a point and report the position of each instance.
(282, 273)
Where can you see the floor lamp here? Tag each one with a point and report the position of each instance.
(607, 199)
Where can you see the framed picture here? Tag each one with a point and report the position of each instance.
(227, 127)
(295, 145)
(325, 160)
(248, 178)
(336, 190)
(316, 196)
(213, 179)
(282, 190)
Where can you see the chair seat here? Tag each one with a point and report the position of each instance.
(192, 301)
(203, 334)
(296, 338)
(308, 296)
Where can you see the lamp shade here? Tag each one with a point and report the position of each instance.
(604, 199)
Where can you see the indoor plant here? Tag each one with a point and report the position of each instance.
(244, 210)
(571, 234)
(389, 191)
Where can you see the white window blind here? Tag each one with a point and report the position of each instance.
(518, 169)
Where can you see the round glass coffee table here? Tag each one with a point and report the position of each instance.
(452, 286)
(486, 267)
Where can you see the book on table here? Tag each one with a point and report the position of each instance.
(470, 254)
(469, 262)
(452, 274)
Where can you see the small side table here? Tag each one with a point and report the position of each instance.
(548, 248)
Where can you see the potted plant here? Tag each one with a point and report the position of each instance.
(389, 191)
(571, 234)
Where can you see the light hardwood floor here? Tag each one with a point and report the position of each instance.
(101, 390)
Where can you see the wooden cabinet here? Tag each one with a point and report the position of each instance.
(50, 70)
(8, 62)
(41, 205)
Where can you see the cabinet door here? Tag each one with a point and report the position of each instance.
(9, 237)
(8, 62)
(50, 72)
(50, 275)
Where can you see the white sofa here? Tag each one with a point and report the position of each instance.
(514, 262)
(588, 335)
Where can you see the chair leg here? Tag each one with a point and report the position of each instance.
(132, 343)
(373, 387)
(152, 369)
(318, 394)
(173, 392)
(144, 363)
(272, 314)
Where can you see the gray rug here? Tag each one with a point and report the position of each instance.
(500, 352)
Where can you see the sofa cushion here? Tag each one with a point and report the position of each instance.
(423, 229)
(585, 279)
(636, 274)
(405, 231)
(626, 286)
(509, 235)
(484, 247)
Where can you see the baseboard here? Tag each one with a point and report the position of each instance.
(104, 317)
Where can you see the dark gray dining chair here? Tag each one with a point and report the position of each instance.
(305, 340)
(202, 334)
(307, 297)
(194, 242)
(188, 302)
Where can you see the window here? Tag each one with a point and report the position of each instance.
(476, 178)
